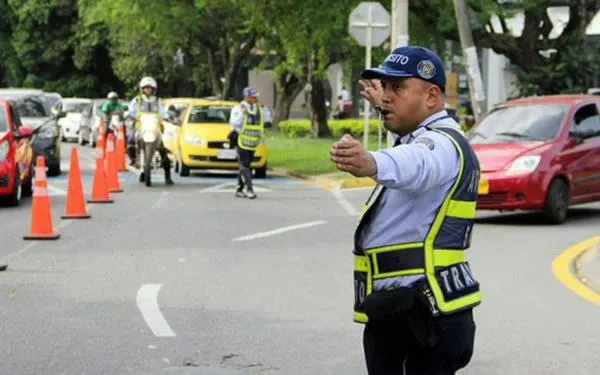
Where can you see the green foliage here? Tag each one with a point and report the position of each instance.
(302, 128)
(565, 71)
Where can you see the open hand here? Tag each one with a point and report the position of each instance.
(349, 156)
(372, 91)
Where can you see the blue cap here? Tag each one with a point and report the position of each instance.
(249, 91)
(411, 61)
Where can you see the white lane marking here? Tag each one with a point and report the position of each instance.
(279, 231)
(342, 201)
(54, 191)
(229, 188)
(160, 200)
(147, 302)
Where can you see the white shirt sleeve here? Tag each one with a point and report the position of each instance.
(236, 119)
(427, 162)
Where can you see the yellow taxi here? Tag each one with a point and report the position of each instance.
(198, 138)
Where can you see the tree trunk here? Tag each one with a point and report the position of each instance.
(288, 88)
(215, 73)
(318, 109)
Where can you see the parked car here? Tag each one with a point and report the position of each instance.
(34, 112)
(73, 109)
(53, 98)
(90, 120)
(16, 156)
(539, 153)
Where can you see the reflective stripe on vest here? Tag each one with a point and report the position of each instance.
(252, 130)
(441, 255)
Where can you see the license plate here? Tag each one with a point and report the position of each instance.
(227, 154)
(484, 187)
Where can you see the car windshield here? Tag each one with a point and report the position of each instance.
(209, 114)
(520, 123)
(3, 120)
(31, 107)
(75, 107)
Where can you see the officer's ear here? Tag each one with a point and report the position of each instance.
(435, 96)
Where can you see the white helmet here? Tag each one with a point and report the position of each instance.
(147, 81)
(112, 95)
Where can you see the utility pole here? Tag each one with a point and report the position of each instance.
(470, 59)
(398, 36)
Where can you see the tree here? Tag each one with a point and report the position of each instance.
(490, 30)
(305, 42)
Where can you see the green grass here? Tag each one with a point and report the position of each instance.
(304, 155)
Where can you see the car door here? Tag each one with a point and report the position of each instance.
(583, 151)
(23, 150)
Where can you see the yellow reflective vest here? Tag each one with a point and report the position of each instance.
(441, 256)
(252, 130)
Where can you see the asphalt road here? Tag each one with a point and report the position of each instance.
(190, 280)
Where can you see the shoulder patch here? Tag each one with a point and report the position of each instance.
(425, 141)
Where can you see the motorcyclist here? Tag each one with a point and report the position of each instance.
(144, 103)
(111, 107)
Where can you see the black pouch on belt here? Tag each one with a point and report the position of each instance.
(388, 303)
(422, 317)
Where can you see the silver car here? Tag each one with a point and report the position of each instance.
(90, 121)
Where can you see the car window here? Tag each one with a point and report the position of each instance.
(520, 123)
(3, 120)
(209, 114)
(586, 122)
(75, 107)
(31, 107)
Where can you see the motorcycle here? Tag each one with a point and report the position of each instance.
(149, 140)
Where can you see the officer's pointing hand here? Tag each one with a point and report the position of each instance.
(349, 156)
(372, 91)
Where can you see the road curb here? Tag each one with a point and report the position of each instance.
(326, 183)
(578, 269)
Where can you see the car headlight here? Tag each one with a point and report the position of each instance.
(524, 164)
(4, 150)
(190, 138)
(48, 132)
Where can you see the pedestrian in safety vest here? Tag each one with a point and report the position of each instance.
(247, 120)
(414, 289)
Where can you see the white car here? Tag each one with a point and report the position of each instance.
(73, 108)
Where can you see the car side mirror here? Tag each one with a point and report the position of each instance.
(24, 133)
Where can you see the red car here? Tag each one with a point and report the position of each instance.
(539, 153)
(16, 167)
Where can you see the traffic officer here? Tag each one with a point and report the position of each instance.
(247, 120)
(414, 289)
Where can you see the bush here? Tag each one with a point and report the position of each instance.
(301, 128)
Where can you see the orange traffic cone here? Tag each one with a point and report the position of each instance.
(100, 189)
(75, 201)
(121, 149)
(101, 141)
(112, 174)
(41, 218)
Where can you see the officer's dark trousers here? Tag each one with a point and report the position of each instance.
(392, 349)
(245, 158)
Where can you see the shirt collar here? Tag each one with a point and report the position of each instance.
(421, 128)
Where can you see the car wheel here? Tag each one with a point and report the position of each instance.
(27, 186)
(54, 170)
(184, 170)
(261, 172)
(14, 198)
(557, 202)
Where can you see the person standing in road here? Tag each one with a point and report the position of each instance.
(247, 120)
(414, 289)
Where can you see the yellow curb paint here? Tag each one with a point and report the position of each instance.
(357, 182)
(561, 268)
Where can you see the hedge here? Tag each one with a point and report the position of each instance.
(300, 128)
